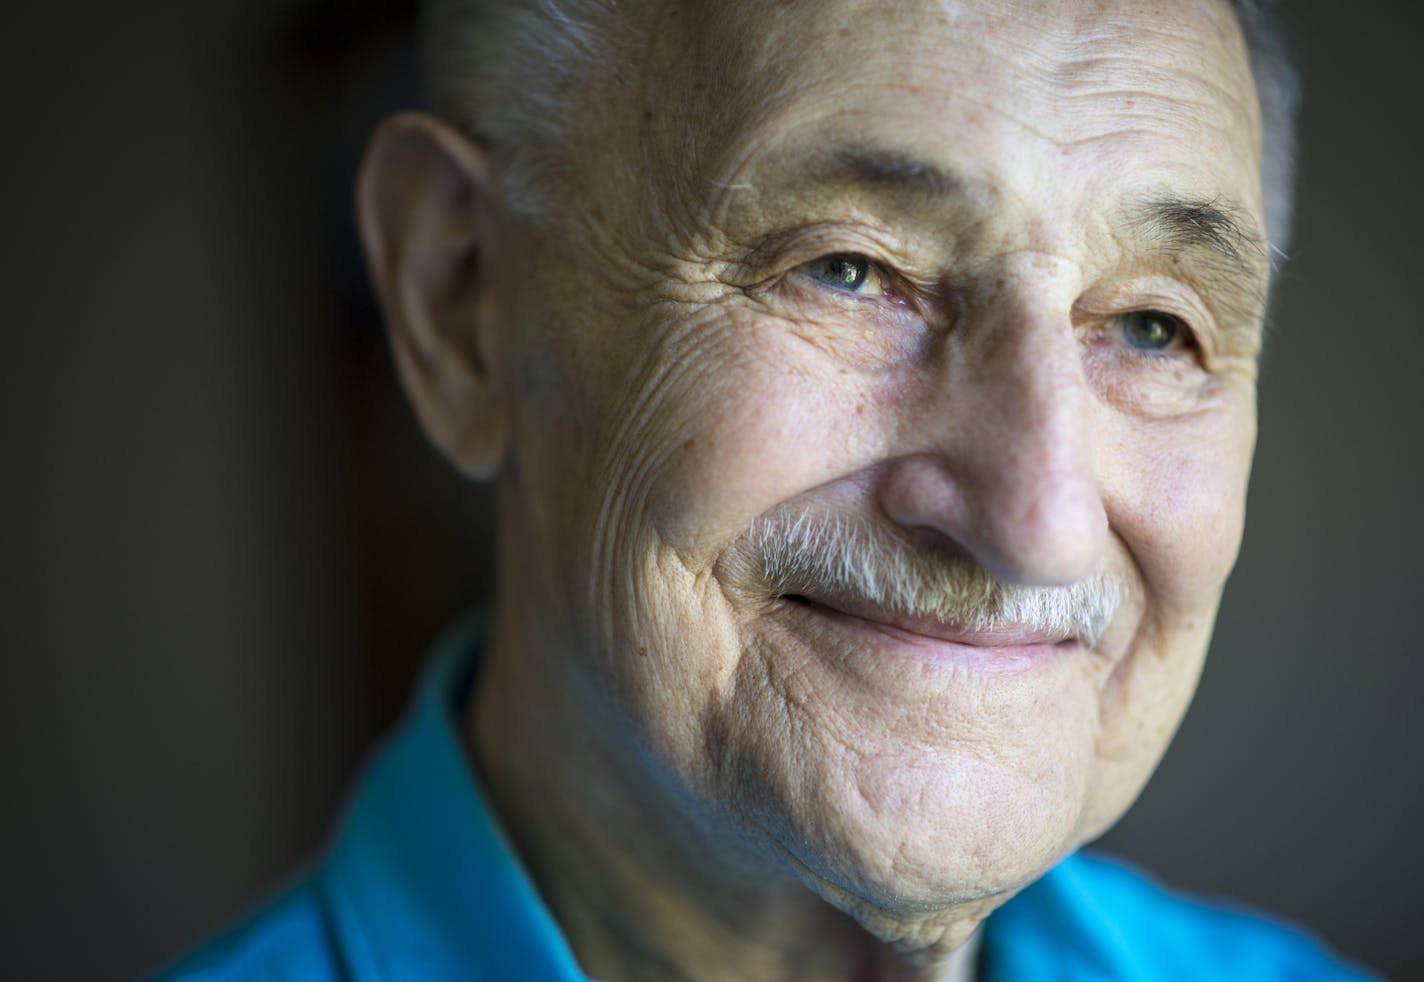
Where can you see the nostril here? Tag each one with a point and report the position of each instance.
(1026, 517)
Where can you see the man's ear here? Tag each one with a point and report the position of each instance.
(430, 224)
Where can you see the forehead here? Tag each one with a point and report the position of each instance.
(1036, 105)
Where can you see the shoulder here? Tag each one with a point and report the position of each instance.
(287, 940)
(1107, 920)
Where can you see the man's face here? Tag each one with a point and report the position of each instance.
(875, 300)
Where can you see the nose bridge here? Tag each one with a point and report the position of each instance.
(1031, 405)
(1025, 457)
(1024, 367)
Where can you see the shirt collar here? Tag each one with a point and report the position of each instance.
(422, 881)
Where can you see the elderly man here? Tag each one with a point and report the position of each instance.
(869, 388)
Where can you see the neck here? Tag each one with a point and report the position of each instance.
(641, 886)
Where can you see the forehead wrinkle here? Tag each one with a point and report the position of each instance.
(1074, 60)
(1068, 76)
(1061, 90)
(1086, 59)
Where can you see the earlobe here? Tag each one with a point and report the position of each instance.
(429, 223)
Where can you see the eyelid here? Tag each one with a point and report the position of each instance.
(913, 284)
(1168, 297)
(778, 254)
(895, 291)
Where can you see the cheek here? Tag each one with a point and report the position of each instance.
(1175, 491)
(710, 450)
(698, 434)
(772, 424)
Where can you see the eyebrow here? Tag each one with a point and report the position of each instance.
(1214, 225)
(1219, 231)
(886, 169)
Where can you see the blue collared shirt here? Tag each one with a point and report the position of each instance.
(421, 883)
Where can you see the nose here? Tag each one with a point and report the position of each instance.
(1007, 470)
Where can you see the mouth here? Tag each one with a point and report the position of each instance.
(928, 630)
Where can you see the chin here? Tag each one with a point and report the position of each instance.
(900, 787)
(894, 841)
(925, 889)
(990, 842)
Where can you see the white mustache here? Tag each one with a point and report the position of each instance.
(834, 554)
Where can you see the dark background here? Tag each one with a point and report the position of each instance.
(226, 545)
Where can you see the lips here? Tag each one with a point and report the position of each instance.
(931, 628)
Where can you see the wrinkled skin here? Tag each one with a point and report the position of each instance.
(691, 765)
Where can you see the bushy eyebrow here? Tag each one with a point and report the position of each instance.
(1216, 225)
(1216, 230)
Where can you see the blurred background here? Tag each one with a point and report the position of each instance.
(226, 545)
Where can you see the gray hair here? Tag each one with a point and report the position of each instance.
(1278, 89)
(509, 72)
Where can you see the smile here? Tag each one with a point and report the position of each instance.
(926, 635)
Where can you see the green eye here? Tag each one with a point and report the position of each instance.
(844, 272)
(1152, 330)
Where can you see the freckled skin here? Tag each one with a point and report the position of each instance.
(690, 769)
